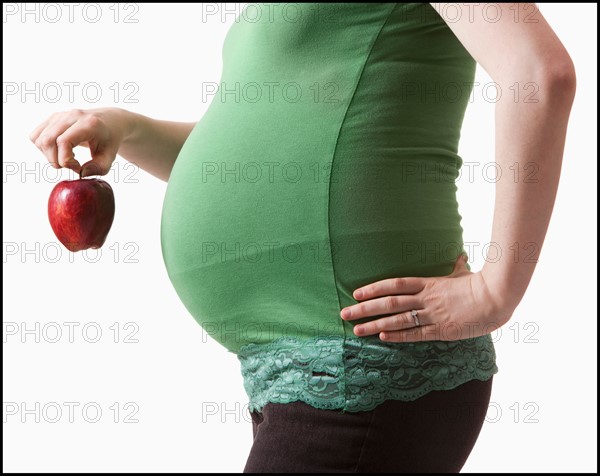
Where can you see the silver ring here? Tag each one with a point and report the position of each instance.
(415, 316)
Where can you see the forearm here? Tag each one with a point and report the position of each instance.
(152, 144)
(530, 139)
(518, 48)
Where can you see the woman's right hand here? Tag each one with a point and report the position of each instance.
(101, 130)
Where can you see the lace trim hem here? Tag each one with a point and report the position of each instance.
(357, 374)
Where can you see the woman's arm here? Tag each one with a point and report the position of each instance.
(520, 48)
(529, 134)
(151, 144)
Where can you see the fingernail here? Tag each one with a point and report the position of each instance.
(358, 294)
(346, 313)
(72, 164)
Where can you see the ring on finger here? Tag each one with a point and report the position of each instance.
(415, 315)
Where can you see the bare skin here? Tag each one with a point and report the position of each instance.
(463, 304)
(151, 144)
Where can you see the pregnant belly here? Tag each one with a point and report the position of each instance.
(262, 241)
(274, 214)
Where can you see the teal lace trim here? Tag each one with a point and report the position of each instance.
(357, 374)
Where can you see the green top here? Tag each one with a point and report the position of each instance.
(327, 160)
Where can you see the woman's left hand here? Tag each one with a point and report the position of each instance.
(453, 307)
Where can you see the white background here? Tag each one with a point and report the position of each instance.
(187, 390)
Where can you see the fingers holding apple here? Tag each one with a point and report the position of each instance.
(89, 133)
(97, 129)
(81, 211)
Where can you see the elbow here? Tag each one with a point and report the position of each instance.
(557, 77)
(553, 77)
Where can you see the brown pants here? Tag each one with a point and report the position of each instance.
(434, 433)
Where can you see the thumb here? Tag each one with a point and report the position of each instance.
(460, 267)
(99, 165)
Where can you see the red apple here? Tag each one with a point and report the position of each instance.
(81, 212)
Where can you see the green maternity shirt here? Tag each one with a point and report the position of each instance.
(326, 161)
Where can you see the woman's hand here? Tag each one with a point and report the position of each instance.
(151, 144)
(453, 307)
(101, 130)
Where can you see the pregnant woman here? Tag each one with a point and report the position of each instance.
(310, 223)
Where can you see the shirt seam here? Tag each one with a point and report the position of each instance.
(335, 147)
